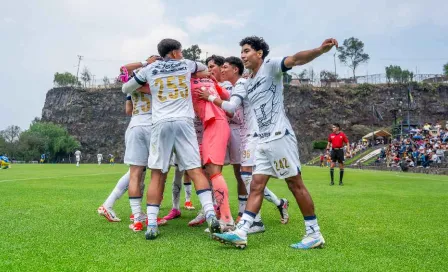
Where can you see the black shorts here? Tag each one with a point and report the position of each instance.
(337, 155)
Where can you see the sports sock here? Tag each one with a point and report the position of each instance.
(177, 185)
(187, 191)
(205, 197)
(136, 206)
(242, 200)
(118, 191)
(244, 225)
(332, 174)
(271, 197)
(341, 175)
(152, 211)
(221, 193)
(311, 225)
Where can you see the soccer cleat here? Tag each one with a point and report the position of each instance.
(231, 238)
(152, 232)
(257, 227)
(214, 225)
(225, 227)
(136, 226)
(199, 220)
(309, 241)
(283, 209)
(160, 221)
(188, 205)
(331, 183)
(341, 183)
(173, 214)
(108, 213)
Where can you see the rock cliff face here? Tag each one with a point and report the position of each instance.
(97, 119)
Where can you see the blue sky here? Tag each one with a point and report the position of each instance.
(42, 37)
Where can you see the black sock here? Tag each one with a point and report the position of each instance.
(341, 175)
(332, 174)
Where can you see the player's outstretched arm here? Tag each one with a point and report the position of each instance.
(136, 65)
(228, 106)
(303, 57)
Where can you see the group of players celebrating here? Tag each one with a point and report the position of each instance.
(191, 115)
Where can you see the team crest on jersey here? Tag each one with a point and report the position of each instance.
(155, 72)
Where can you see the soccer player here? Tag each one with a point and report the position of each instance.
(42, 158)
(111, 159)
(100, 158)
(134, 109)
(78, 157)
(4, 162)
(172, 117)
(336, 141)
(233, 156)
(232, 71)
(276, 152)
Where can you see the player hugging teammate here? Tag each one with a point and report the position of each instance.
(263, 136)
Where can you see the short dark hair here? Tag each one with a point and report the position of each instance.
(165, 46)
(257, 43)
(337, 125)
(218, 60)
(237, 62)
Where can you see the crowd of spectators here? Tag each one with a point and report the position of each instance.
(423, 147)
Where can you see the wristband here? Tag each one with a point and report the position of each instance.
(211, 98)
(144, 63)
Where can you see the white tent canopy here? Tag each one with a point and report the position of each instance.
(378, 133)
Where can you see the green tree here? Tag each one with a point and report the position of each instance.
(192, 53)
(398, 75)
(86, 76)
(65, 79)
(2, 145)
(11, 133)
(445, 69)
(351, 53)
(46, 137)
(326, 77)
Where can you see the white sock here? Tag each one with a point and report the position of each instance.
(247, 178)
(311, 225)
(245, 222)
(77, 163)
(187, 191)
(271, 197)
(152, 211)
(205, 197)
(136, 207)
(242, 200)
(118, 191)
(177, 185)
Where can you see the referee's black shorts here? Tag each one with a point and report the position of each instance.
(337, 155)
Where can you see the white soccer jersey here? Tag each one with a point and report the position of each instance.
(265, 93)
(169, 82)
(78, 153)
(249, 125)
(100, 157)
(141, 109)
(235, 121)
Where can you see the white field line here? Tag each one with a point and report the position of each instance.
(60, 177)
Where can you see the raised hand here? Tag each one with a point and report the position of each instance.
(328, 44)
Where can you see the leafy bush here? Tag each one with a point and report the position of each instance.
(320, 144)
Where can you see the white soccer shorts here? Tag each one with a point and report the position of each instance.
(278, 158)
(78, 158)
(138, 141)
(168, 136)
(233, 154)
(248, 147)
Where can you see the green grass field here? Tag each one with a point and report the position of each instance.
(378, 221)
